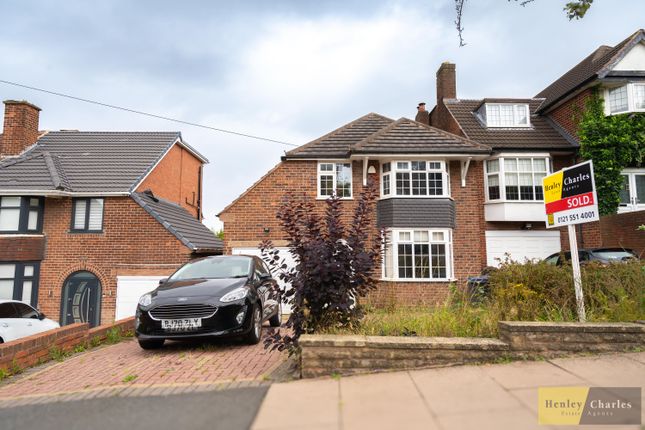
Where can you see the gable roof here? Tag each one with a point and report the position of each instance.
(90, 162)
(178, 221)
(406, 136)
(597, 65)
(337, 143)
(541, 135)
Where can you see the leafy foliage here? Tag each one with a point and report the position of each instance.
(613, 143)
(577, 9)
(334, 264)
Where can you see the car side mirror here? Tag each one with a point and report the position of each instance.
(41, 316)
(163, 281)
(265, 276)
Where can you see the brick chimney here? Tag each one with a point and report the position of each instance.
(20, 127)
(446, 89)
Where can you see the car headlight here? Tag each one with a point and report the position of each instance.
(146, 300)
(236, 294)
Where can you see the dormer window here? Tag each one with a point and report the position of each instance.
(506, 115)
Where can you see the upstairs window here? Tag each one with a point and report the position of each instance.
(335, 179)
(507, 115)
(87, 215)
(516, 178)
(21, 214)
(626, 98)
(414, 179)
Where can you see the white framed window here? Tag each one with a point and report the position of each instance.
(626, 98)
(632, 193)
(515, 178)
(418, 178)
(335, 179)
(418, 254)
(87, 215)
(507, 115)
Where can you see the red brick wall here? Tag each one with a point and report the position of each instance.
(620, 231)
(568, 114)
(22, 248)
(177, 178)
(140, 242)
(246, 219)
(20, 127)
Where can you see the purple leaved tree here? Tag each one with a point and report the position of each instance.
(334, 264)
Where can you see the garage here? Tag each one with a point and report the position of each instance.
(128, 291)
(520, 244)
(283, 253)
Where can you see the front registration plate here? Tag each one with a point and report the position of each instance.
(185, 324)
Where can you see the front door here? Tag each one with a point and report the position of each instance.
(81, 301)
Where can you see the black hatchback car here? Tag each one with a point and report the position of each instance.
(220, 296)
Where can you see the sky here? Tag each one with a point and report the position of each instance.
(285, 70)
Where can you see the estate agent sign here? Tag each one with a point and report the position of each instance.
(570, 199)
(570, 196)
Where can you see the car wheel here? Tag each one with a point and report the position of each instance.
(276, 319)
(151, 343)
(255, 334)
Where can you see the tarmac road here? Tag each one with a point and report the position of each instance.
(230, 409)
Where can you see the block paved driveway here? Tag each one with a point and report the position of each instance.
(126, 368)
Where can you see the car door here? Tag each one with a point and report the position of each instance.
(30, 319)
(264, 288)
(11, 325)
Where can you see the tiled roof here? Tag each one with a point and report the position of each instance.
(98, 162)
(540, 135)
(180, 223)
(406, 136)
(40, 172)
(337, 143)
(595, 65)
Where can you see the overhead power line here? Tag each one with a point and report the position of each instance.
(152, 115)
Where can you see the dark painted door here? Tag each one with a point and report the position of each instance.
(81, 299)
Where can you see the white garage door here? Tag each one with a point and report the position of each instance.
(520, 245)
(128, 291)
(283, 253)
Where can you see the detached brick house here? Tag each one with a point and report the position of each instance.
(456, 194)
(91, 220)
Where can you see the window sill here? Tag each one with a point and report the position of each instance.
(328, 197)
(7, 234)
(416, 197)
(97, 232)
(494, 202)
(418, 280)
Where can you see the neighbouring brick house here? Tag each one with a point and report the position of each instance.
(456, 195)
(91, 220)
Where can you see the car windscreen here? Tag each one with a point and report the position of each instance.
(613, 254)
(212, 268)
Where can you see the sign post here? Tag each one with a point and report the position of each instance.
(570, 199)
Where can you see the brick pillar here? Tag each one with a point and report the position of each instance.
(20, 127)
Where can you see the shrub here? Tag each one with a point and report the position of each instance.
(334, 264)
(540, 291)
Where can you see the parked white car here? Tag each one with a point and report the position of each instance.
(18, 319)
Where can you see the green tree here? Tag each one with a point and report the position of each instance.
(613, 142)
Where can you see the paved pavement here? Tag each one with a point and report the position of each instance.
(500, 396)
(226, 410)
(125, 367)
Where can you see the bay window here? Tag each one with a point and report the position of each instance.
(334, 179)
(626, 98)
(516, 178)
(414, 179)
(417, 254)
(21, 214)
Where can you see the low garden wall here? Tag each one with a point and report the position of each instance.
(32, 350)
(341, 354)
